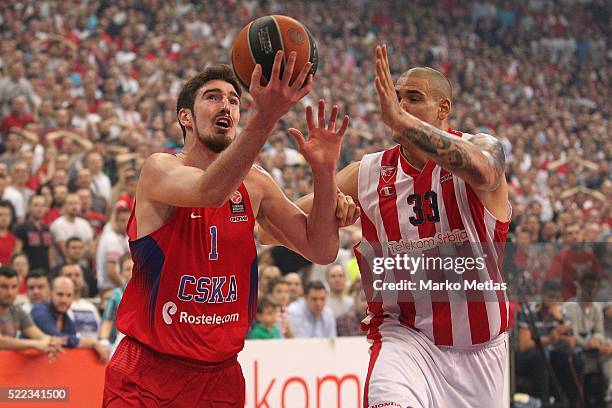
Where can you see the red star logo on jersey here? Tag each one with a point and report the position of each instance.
(387, 172)
(236, 197)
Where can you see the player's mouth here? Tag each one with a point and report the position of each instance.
(223, 123)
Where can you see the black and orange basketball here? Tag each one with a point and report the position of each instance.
(259, 41)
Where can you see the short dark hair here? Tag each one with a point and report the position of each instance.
(314, 285)
(275, 282)
(8, 272)
(186, 98)
(71, 240)
(37, 273)
(263, 303)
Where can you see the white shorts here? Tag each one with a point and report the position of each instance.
(408, 371)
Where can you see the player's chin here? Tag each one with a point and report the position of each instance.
(219, 142)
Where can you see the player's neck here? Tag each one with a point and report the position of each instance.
(416, 158)
(196, 154)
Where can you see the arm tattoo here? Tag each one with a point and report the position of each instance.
(453, 154)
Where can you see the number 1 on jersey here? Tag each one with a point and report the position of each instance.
(213, 255)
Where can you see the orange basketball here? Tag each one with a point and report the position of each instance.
(259, 41)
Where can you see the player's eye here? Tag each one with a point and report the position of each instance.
(234, 101)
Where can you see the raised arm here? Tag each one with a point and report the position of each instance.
(479, 161)
(315, 235)
(170, 183)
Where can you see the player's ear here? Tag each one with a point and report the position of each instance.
(185, 117)
(444, 108)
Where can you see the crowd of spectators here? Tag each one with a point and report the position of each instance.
(88, 90)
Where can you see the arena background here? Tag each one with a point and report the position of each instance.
(103, 76)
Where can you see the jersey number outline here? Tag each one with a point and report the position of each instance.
(417, 202)
(213, 255)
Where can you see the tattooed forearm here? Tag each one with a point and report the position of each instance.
(465, 158)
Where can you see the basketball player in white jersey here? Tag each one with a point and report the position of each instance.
(437, 184)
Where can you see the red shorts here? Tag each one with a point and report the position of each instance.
(138, 376)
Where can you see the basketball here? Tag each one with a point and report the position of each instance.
(261, 39)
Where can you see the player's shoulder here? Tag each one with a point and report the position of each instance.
(158, 163)
(259, 175)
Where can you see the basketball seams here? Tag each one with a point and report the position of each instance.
(282, 41)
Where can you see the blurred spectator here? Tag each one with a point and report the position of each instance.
(349, 323)
(14, 321)
(71, 225)
(9, 245)
(75, 254)
(38, 289)
(556, 335)
(100, 182)
(266, 318)
(95, 216)
(52, 317)
(19, 262)
(338, 300)
(572, 261)
(587, 320)
(18, 116)
(112, 245)
(35, 236)
(108, 331)
(19, 180)
(296, 288)
(16, 84)
(9, 195)
(82, 312)
(279, 293)
(266, 274)
(312, 318)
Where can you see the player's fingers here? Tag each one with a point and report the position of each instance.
(299, 81)
(321, 113)
(341, 206)
(344, 126)
(255, 78)
(278, 61)
(305, 90)
(298, 137)
(309, 119)
(332, 119)
(288, 72)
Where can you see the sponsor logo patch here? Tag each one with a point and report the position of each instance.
(237, 203)
(387, 172)
(446, 177)
(387, 191)
(239, 218)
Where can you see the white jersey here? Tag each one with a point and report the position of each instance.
(404, 211)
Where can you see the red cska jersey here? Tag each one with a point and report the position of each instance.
(193, 291)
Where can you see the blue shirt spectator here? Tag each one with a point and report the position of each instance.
(310, 317)
(46, 318)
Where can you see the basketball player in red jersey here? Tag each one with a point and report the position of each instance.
(437, 185)
(193, 292)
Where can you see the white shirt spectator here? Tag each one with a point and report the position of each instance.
(62, 229)
(14, 197)
(111, 247)
(340, 306)
(101, 185)
(86, 319)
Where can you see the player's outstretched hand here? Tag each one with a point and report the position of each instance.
(322, 148)
(278, 96)
(390, 108)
